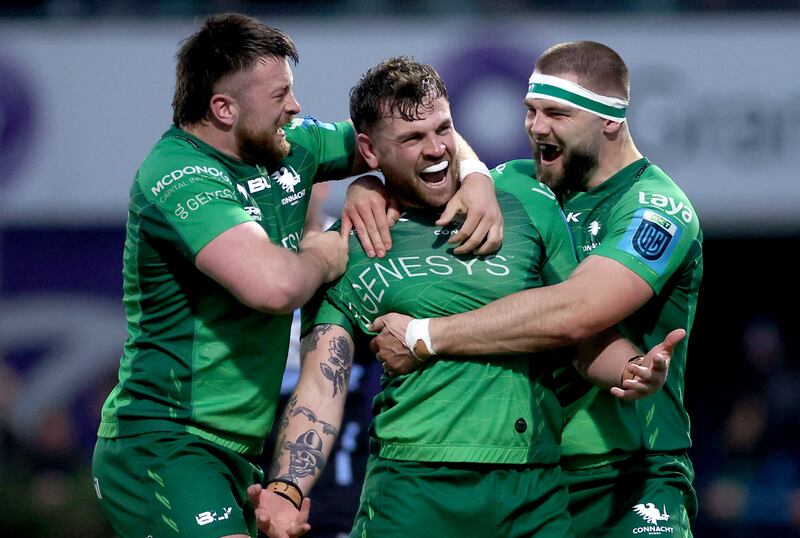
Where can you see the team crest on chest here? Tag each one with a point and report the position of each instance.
(286, 178)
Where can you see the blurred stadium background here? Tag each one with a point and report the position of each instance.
(85, 90)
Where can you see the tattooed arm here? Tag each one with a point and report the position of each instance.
(312, 418)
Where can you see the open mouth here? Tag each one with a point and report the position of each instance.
(548, 152)
(280, 132)
(434, 173)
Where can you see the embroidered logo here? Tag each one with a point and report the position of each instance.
(653, 235)
(650, 513)
(654, 518)
(287, 179)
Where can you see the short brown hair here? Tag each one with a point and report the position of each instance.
(399, 85)
(597, 66)
(225, 44)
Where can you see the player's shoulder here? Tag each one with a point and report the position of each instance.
(175, 158)
(518, 178)
(658, 191)
(514, 169)
(176, 161)
(307, 127)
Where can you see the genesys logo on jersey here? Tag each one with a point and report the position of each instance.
(656, 520)
(287, 178)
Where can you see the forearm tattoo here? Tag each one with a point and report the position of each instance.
(341, 357)
(305, 456)
(309, 342)
(327, 428)
(306, 452)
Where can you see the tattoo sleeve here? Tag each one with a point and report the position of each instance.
(340, 364)
(310, 341)
(309, 424)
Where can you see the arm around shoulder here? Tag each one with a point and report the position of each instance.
(600, 293)
(267, 277)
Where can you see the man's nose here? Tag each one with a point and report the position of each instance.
(434, 147)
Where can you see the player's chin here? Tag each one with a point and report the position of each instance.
(437, 199)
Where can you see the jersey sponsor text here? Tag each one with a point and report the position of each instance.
(379, 276)
(200, 199)
(667, 203)
(176, 175)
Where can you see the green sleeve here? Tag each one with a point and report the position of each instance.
(333, 144)
(320, 310)
(558, 250)
(188, 203)
(560, 259)
(652, 230)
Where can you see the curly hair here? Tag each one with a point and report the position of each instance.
(397, 86)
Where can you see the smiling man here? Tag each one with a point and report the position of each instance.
(465, 446)
(215, 263)
(208, 321)
(640, 246)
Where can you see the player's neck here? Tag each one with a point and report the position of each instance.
(614, 156)
(222, 140)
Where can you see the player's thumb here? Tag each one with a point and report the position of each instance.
(673, 338)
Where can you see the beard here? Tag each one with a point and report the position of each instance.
(576, 166)
(260, 146)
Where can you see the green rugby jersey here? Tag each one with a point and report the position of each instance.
(481, 409)
(640, 218)
(196, 359)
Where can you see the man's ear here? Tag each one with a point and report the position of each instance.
(367, 149)
(612, 128)
(224, 109)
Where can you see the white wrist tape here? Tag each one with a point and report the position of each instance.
(418, 339)
(470, 166)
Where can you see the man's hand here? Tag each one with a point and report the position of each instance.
(370, 211)
(329, 249)
(646, 376)
(390, 344)
(482, 230)
(277, 517)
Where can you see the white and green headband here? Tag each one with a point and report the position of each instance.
(568, 93)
